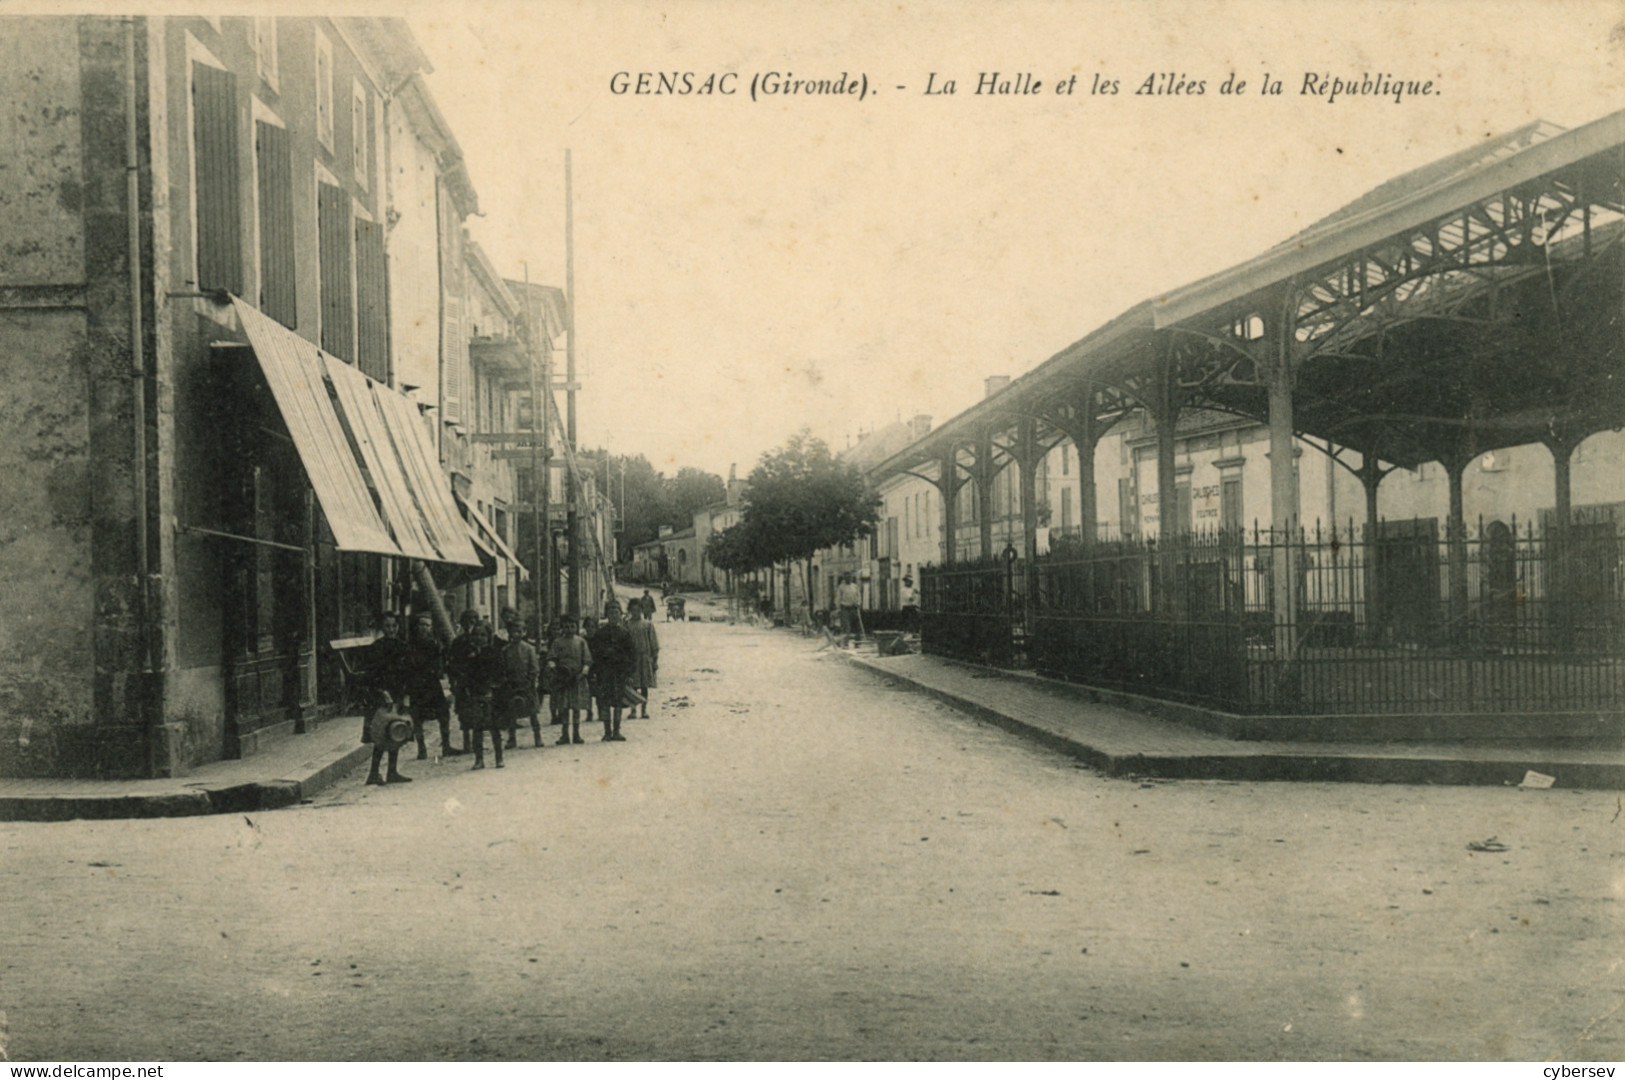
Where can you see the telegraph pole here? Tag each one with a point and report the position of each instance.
(540, 472)
(572, 487)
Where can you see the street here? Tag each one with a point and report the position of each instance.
(793, 860)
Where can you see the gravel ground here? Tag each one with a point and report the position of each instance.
(794, 860)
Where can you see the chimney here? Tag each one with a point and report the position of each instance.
(995, 383)
(919, 426)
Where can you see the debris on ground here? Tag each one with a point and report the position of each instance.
(1533, 779)
(679, 702)
(1492, 844)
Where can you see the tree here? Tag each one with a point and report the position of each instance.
(689, 492)
(802, 498)
(647, 499)
(737, 550)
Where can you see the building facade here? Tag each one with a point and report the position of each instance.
(230, 300)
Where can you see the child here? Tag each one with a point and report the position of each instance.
(485, 672)
(425, 664)
(386, 674)
(460, 664)
(612, 650)
(516, 689)
(568, 663)
(646, 653)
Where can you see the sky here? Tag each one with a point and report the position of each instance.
(745, 268)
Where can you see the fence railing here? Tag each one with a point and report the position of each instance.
(1502, 618)
(973, 611)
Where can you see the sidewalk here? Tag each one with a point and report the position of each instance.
(1121, 742)
(291, 769)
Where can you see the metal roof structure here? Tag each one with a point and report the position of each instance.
(1474, 303)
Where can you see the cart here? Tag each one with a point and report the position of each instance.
(676, 609)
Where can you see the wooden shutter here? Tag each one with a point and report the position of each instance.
(333, 227)
(219, 220)
(278, 296)
(451, 360)
(372, 301)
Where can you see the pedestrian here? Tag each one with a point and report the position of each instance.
(646, 654)
(483, 675)
(384, 669)
(589, 627)
(515, 693)
(910, 605)
(569, 664)
(611, 647)
(847, 599)
(460, 657)
(426, 698)
(646, 604)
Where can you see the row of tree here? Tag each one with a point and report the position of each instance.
(648, 499)
(801, 498)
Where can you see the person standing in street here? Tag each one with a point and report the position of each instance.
(847, 599)
(910, 605)
(426, 698)
(570, 664)
(611, 647)
(483, 674)
(589, 627)
(516, 685)
(460, 656)
(645, 654)
(385, 673)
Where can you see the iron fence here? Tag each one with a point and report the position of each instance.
(973, 611)
(1404, 618)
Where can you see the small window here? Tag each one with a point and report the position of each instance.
(358, 133)
(265, 47)
(324, 90)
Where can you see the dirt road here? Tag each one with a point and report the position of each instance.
(792, 860)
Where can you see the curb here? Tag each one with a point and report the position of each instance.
(236, 798)
(1265, 765)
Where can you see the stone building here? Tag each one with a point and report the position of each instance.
(229, 306)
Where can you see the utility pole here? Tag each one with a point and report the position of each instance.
(540, 472)
(572, 487)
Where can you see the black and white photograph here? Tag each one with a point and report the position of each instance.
(967, 532)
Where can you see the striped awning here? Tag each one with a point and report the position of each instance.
(363, 431)
(293, 368)
(493, 538)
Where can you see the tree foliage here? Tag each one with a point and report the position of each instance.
(648, 499)
(802, 498)
(736, 549)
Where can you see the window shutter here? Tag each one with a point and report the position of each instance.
(278, 295)
(451, 360)
(333, 226)
(372, 300)
(219, 222)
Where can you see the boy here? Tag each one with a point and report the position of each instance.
(426, 663)
(483, 674)
(516, 686)
(612, 652)
(569, 663)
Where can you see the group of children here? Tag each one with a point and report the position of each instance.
(497, 682)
